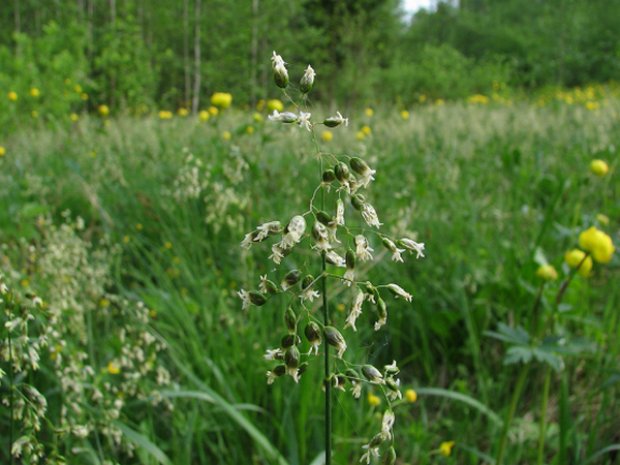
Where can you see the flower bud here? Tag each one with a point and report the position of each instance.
(290, 320)
(270, 286)
(291, 357)
(280, 74)
(341, 171)
(291, 278)
(329, 176)
(307, 80)
(381, 309)
(257, 298)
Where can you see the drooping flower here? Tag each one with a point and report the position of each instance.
(362, 249)
(286, 117)
(334, 121)
(304, 120)
(412, 246)
(396, 252)
(335, 339)
(361, 167)
(307, 80)
(356, 310)
(398, 291)
(280, 74)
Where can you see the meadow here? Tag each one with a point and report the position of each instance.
(121, 263)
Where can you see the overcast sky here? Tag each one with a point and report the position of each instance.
(411, 6)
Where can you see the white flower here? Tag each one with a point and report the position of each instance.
(321, 236)
(271, 377)
(396, 252)
(265, 229)
(294, 373)
(349, 277)
(245, 298)
(309, 294)
(412, 246)
(296, 228)
(356, 389)
(362, 249)
(380, 322)
(335, 259)
(246, 243)
(370, 215)
(273, 354)
(277, 62)
(387, 423)
(399, 292)
(356, 311)
(285, 117)
(307, 80)
(276, 253)
(337, 120)
(304, 120)
(340, 212)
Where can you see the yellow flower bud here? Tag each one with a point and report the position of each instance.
(574, 257)
(373, 400)
(547, 273)
(404, 114)
(34, 92)
(445, 448)
(369, 112)
(104, 110)
(12, 96)
(114, 368)
(598, 244)
(599, 167)
(411, 395)
(275, 104)
(221, 100)
(183, 112)
(204, 115)
(327, 136)
(226, 135)
(2, 151)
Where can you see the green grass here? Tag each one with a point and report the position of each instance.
(483, 187)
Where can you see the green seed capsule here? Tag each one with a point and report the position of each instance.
(290, 320)
(291, 357)
(350, 259)
(381, 308)
(358, 165)
(333, 336)
(279, 370)
(352, 374)
(371, 373)
(324, 218)
(289, 340)
(358, 201)
(341, 171)
(257, 298)
(329, 176)
(307, 281)
(292, 278)
(312, 332)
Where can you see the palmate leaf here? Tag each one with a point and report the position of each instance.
(505, 333)
(518, 354)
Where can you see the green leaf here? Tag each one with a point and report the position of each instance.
(551, 359)
(510, 335)
(457, 396)
(603, 451)
(518, 354)
(143, 442)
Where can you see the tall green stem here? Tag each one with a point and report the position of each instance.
(328, 394)
(516, 395)
(10, 398)
(543, 417)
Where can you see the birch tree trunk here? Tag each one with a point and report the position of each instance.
(186, 62)
(197, 70)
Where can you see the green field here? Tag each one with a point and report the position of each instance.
(103, 215)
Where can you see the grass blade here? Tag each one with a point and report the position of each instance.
(457, 396)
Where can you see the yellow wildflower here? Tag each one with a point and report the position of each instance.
(547, 273)
(213, 111)
(369, 112)
(34, 92)
(404, 114)
(2, 151)
(165, 114)
(249, 130)
(411, 395)
(439, 102)
(74, 117)
(139, 227)
(327, 136)
(183, 112)
(599, 167)
(78, 89)
(104, 110)
(366, 130)
(373, 400)
(84, 96)
(445, 448)
(104, 303)
(275, 104)
(221, 100)
(574, 257)
(359, 135)
(167, 245)
(12, 95)
(591, 106)
(34, 114)
(204, 115)
(598, 244)
(226, 135)
(114, 368)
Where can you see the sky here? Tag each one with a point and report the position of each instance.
(411, 6)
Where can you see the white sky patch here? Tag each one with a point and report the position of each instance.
(411, 6)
